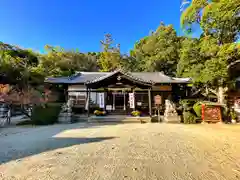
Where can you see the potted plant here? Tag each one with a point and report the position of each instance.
(103, 113)
(233, 115)
(99, 113)
(96, 112)
(135, 113)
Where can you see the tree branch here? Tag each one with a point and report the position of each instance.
(233, 63)
(225, 89)
(213, 91)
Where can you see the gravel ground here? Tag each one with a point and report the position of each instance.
(121, 151)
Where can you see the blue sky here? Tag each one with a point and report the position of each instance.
(81, 24)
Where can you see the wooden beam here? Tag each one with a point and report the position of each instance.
(133, 91)
(150, 102)
(88, 99)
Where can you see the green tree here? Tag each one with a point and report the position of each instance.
(110, 57)
(60, 62)
(207, 63)
(218, 18)
(190, 63)
(159, 51)
(220, 23)
(18, 65)
(20, 69)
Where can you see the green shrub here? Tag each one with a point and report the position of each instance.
(135, 113)
(189, 118)
(233, 114)
(99, 113)
(46, 115)
(197, 107)
(187, 104)
(226, 114)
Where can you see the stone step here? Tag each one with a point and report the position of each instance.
(124, 119)
(172, 119)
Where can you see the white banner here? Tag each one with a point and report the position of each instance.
(131, 100)
(101, 100)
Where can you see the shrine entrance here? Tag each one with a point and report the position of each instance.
(118, 86)
(119, 100)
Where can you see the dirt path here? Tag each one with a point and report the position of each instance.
(123, 151)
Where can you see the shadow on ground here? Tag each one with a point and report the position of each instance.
(35, 140)
(13, 129)
(47, 145)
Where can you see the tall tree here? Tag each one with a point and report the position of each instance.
(207, 63)
(220, 23)
(60, 62)
(110, 57)
(159, 51)
(190, 63)
(18, 65)
(218, 18)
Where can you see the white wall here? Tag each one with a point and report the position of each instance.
(76, 87)
(73, 88)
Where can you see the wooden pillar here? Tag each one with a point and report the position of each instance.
(105, 98)
(124, 101)
(88, 99)
(186, 88)
(96, 97)
(113, 94)
(203, 118)
(133, 91)
(150, 102)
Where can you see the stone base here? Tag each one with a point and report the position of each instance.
(172, 119)
(233, 121)
(64, 118)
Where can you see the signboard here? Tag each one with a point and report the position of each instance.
(157, 99)
(101, 100)
(132, 100)
(211, 113)
(108, 107)
(165, 88)
(162, 88)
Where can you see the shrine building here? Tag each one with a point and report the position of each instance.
(121, 92)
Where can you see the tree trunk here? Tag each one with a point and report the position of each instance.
(221, 95)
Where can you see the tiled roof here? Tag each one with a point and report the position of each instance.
(57, 80)
(126, 74)
(147, 77)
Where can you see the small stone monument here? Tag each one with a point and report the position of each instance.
(170, 114)
(66, 113)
